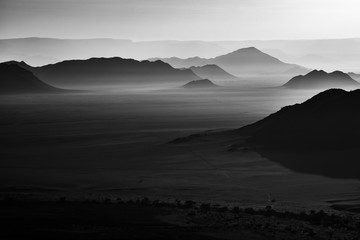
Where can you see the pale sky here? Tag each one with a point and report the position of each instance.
(209, 20)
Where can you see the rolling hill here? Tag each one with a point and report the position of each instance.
(198, 84)
(320, 79)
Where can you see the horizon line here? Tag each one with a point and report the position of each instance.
(174, 40)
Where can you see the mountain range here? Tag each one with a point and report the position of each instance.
(320, 79)
(245, 61)
(109, 71)
(15, 79)
(327, 54)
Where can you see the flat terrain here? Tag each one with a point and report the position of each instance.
(144, 219)
(115, 144)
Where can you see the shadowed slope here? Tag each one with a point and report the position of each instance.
(329, 119)
(319, 136)
(14, 79)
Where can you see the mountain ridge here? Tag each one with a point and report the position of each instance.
(321, 79)
(107, 71)
(243, 61)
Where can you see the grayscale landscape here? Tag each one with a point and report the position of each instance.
(166, 137)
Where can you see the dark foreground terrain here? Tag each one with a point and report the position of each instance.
(111, 145)
(146, 219)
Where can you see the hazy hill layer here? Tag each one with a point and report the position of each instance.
(14, 79)
(214, 73)
(203, 83)
(105, 71)
(320, 79)
(354, 76)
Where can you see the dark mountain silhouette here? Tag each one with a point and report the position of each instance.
(244, 61)
(328, 119)
(14, 79)
(203, 83)
(104, 71)
(318, 136)
(320, 79)
(214, 73)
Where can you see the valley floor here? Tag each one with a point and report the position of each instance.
(116, 144)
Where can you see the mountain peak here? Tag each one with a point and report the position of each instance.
(249, 50)
(249, 60)
(317, 73)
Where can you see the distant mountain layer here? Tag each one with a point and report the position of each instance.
(203, 83)
(214, 73)
(244, 61)
(320, 79)
(14, 79)
(329, 54)
(105, 71)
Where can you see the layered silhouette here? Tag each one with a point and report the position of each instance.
(355, 76)
(15, 79)
(203, 83)
(243, 61)
(105, 71)
(321, 79)
(327, 54)
(214, 73)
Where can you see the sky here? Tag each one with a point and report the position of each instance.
(209, 20)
